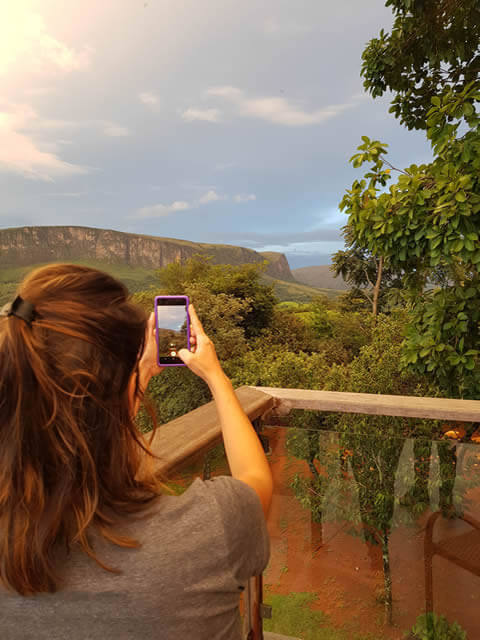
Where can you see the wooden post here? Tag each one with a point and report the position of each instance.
(247, 612)
(257, 601)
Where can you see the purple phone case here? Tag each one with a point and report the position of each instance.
(156, 329)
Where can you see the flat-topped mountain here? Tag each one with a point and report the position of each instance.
(29, 245)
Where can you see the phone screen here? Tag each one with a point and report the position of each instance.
(172, 328)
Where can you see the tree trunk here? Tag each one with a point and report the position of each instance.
(316, 527)
(376, 289)
(387, 578)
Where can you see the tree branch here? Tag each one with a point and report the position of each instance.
(368, 279)
(395, 168)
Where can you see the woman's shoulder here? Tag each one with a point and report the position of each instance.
(223, 486)
(222, 495)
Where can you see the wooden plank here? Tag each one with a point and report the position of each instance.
(269, 635)
(374, 404)
(189, 437)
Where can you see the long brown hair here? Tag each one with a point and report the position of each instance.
(70, 449)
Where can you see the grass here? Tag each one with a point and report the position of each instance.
(291, 615)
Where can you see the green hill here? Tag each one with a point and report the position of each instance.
(320, 276)
(296, 291)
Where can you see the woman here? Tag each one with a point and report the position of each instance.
(75, 358)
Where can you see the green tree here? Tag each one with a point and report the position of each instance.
(427, 227)
(241, 282)
(286, 331)
(434, 45)
(358, 455)
(368, 275)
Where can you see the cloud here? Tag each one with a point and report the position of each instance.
(221, 166)
(108, 128)
(38, 91)
(207, 115)
(304, 248)
(24, 39)
(272, 27)
(276, 110)
(244, 198)
(149, 99)
(163, 210)
(115, 130)
(284, 239)
(210, 196)
(22, 153)
(67, 194)
(232, 93)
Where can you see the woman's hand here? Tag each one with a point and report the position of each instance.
(148, 365)
(202, 358)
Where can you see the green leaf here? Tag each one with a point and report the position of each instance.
(460, 196)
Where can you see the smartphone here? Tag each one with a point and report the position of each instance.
(172, 329)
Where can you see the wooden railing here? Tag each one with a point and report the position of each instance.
(190, 437)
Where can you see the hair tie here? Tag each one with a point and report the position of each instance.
(20, 308)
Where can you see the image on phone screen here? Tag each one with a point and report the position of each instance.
(172, 329)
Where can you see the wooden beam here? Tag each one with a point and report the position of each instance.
(374, 404)
(188, 438)
(185, 439)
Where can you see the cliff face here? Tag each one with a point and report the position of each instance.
(30, 245)
(280, 264)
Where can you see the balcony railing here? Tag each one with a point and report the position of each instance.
(188, 439)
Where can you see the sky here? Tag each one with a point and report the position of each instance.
(171, 317)
(207, 120)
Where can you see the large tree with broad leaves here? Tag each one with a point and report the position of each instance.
(434, 45)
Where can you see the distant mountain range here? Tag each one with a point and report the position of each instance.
(320, 277)
(26, 245)
(133, 258)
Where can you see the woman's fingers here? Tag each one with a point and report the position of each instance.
(196, 324)
(151, 322)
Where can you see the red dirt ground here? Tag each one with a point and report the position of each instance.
(346, 572)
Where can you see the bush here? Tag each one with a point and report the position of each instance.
(280, 368)
(432, 627)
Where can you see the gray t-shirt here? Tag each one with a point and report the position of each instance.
(199, 549)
